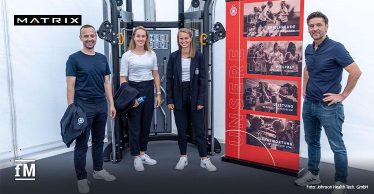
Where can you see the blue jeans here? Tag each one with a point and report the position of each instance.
(317, 115)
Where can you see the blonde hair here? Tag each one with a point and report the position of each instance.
(192, 43)
(132, 44)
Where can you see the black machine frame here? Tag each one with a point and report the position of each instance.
(110, 30)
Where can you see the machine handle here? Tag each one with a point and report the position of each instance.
(203, 37)
(121, 38)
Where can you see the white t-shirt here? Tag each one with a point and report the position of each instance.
(186, 66)
(138, 67)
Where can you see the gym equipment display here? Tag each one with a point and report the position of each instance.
(117, 33)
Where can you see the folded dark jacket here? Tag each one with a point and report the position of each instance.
(73, 123)
(125, 97)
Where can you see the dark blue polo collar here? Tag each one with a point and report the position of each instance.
(322, 43)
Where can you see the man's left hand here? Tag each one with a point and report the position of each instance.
(331, 98)
(112, 112)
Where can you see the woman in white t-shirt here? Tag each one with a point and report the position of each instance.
(186, 90)
(276, 60)
(139, 68)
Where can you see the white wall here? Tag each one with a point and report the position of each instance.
(38, 57)
(219, 76)
(6, 145)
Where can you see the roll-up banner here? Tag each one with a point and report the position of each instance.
(263, 83)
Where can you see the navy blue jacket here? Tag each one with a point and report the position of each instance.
(73, 123)
(174, 80)
(124, 98)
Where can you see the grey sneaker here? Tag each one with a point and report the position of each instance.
(138, 164)
(308, 179)
(207, 164)
(103, 174)
(183, 162)
(339, 188)
(83, 186)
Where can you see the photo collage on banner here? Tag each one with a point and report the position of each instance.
(269, 76)
(274, 58)
(271, 86)
(274, 133)
(272, 18)
(274, 96)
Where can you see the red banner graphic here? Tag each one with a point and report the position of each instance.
(263, 82)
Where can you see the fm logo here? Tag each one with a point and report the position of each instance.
(25, 170)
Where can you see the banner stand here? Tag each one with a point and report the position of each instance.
(278, 170)
(264, 54)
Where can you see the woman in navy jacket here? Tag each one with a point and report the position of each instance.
(186, 90)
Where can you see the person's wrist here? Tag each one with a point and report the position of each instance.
(158, 93)
(344, 95)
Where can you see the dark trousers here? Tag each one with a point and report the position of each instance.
(97, 113)
(182, 122)
(140, 118)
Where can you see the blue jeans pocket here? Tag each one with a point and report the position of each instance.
(331, 107)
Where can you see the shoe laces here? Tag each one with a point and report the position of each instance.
(182, 159)
(145, 156)
(104, 172)
(207, 162)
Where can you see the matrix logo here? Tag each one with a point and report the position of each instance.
(25, 170)
(47, 20)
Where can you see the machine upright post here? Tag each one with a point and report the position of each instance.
(181, 13)
(115, 79)
(129, 5)
(207, 56)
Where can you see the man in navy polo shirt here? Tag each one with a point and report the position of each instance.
(88, 85)
(325, 60)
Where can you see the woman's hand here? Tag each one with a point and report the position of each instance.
(199, 107)
(171, 106)
(136, 104)
(158, 100)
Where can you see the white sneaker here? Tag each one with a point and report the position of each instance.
(103, 174)
(308, 179)
(207, 164)
(183, 162)
(138, 164)
(339, 188)
(83, 186)
(148, 160)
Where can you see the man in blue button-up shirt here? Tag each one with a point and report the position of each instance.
(325, 60)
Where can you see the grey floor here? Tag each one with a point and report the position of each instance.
(56, 175)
